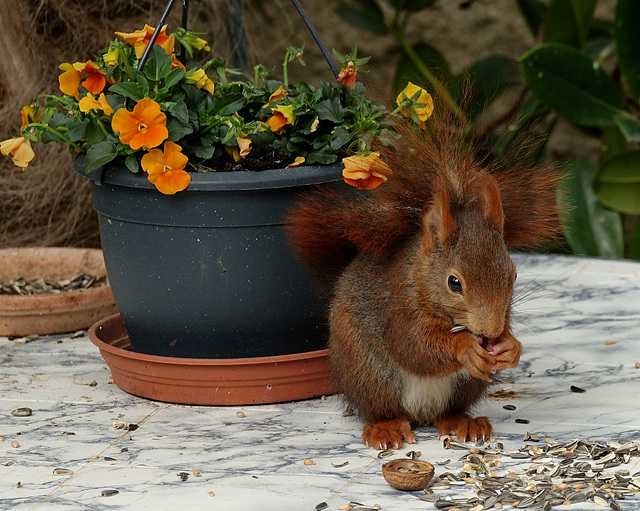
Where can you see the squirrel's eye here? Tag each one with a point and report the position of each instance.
(454, 284)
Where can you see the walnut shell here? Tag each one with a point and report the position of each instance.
(406, 474)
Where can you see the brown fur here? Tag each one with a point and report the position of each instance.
(388, 257)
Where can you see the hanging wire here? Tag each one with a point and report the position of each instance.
(185, 20)
(316, 37)
(154, 36)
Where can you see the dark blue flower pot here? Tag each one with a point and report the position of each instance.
(208, 273)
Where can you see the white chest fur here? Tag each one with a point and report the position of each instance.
(425, 398)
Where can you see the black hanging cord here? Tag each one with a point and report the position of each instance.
(185, 19)
(154, 36)
(316, 37)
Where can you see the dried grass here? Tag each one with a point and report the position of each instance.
(48, 204)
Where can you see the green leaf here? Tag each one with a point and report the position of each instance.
(629, 126)
(228, 104)
(590, 228)
(570, 83)
(178, 110)
(488, 79)
(158, 65)
(533, 12)
(339, 138)
(627, 37)
(204, 152)
(321, 157)
(330, 110)
(99, 155)
(612, 143)
(173, 77)
(366, 17)
(617, 185)
(569, 21)
(94, 134)
(634, 247)
(131, 162)
(76, 130)
(406, 70)
(128, 90)
(177, 129)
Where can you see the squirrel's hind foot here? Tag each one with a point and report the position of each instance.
(388, 434)
(465, 428)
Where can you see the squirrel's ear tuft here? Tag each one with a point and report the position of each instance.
(486, 188)
(438, 221)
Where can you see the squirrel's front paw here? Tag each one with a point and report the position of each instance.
(478, 361)
(464, 427)
(506, 350)
(388, 434)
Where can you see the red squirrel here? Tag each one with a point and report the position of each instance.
(420, 280)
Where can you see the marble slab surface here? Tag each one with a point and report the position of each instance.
(579, 322)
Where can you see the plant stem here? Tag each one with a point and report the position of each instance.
(104, 130)
(55, 132)
(422, 67)
(285, 73)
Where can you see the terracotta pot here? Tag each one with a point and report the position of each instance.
(52, 313)
(239, 381)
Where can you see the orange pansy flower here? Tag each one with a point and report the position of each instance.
(70, 80)
(348, 75)
(421, 108)
(89, 102)
(85, 74)
(165, 169)
(29, 114)
(200, 79)
(145, 126)
(244, 146)
(282, 116)
(278, 94)
(20, 150)
(365, 172)
(140, 39)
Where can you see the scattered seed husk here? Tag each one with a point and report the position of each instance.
(240, 415)
(15, 444)
(339, 465)
(22, 412)
(523, 421)
(183, 476)
(384, 454)
(321, 506)
(62, 472)
(578, 390)
(559, 474)
(22, 286)
(509, 407)
(610, 343)
(109, 493)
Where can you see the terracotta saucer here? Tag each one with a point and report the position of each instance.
(52, 313)
(197, 381)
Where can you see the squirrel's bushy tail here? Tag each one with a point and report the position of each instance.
(327, 229)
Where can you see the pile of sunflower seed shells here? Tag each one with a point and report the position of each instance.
(558, 474)
(20, 286)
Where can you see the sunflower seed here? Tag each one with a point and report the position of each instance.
(109, 493)
(62, 472)
(22, 412)
(577, 389)
(509, 407)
